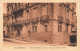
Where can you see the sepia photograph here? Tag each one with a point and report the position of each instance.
(40, 24)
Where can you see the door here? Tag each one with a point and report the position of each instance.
(3, 33)
(18, 32)
(29, 35)
(73, 39)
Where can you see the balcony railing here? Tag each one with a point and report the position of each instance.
(60, 19)
(67, 22)
(18, 8)
(20, 22)
(72, 23)
(34, 20)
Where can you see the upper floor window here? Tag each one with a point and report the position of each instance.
(71, 30)
(33, 28)
(59, 28)
(60, 10)
(27, 11)
(67, 11)
(15, 5)
(68, 4)
(18, 4)
(44, 10)
(60, 5)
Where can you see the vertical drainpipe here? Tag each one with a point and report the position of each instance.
(41, 12)
(47, 9)
(37, 17)
(65, 14)
(51, 12)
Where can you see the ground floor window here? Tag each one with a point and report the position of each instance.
(34, 28)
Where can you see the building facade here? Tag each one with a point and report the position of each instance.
(53, 23)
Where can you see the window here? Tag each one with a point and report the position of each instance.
(21, 14)
(35, 28)
(8, 8)
(66, 28)
(59, 28)
(18, 32)
(19, 4)
(15, 5)
(60, 10)
(68, 4)
(8, 28)
(12, 7)
(12, 18)
(45, 28)
(29, 33)
(71, 30)
(60, 5)
(34, 12)
(44, 10)
(67, 11)
(27, 11)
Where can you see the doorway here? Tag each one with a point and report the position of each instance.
(3, 33)
(29, 35)
(73, 39)
(18, 32)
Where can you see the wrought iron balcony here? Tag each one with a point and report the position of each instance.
(60, 19)
(18, 8)
(34, 20)
(67, 22)
(21, 22)
(72, 23)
